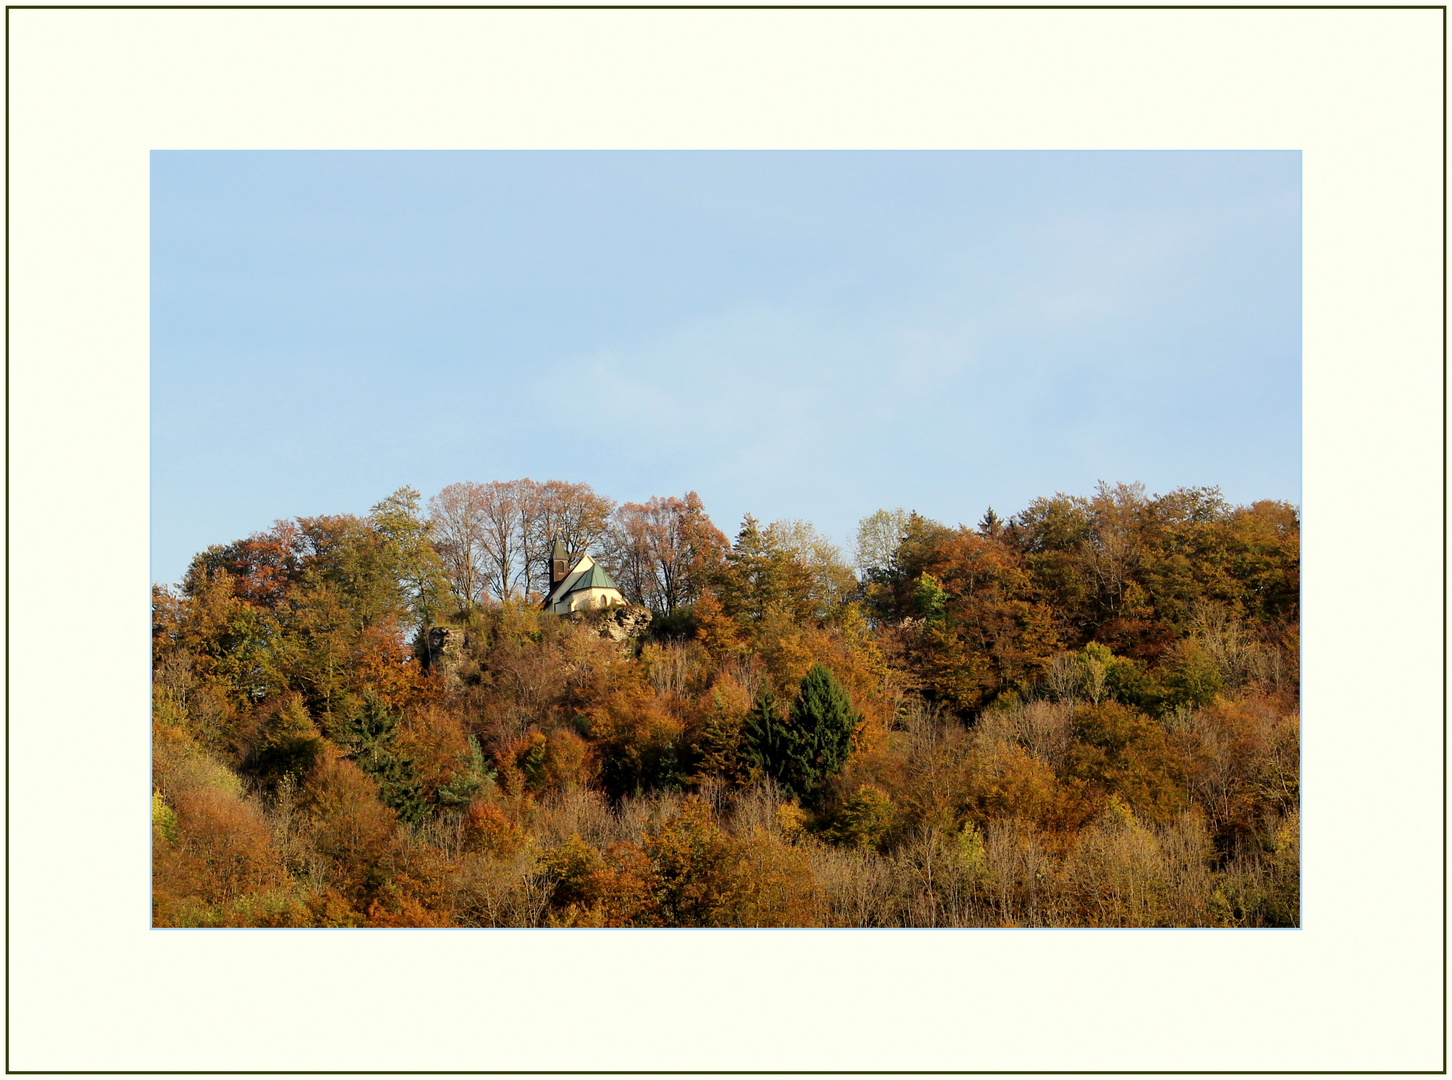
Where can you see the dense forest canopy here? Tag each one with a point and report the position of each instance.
(1084, 714)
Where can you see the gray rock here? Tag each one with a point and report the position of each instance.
(620, 622)
(445, 648)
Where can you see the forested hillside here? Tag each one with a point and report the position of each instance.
(1085, 714)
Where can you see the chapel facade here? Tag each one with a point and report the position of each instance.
(580, 587)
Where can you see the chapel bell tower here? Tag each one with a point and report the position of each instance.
(559, 565)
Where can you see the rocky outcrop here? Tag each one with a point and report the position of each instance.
(444, 648)
(619, 622)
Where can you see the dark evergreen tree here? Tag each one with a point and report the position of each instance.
(369, 733)
(824, 713)
(762, 733)
(991, 525)
(804, 751)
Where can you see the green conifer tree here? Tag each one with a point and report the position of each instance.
(762, 734)
(825, 715)
(804, 751)
(369, 734)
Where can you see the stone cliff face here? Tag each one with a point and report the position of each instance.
(623, 624)
(445, 648)
(620, 622)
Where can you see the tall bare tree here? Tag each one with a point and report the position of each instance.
(502, 536)
(658, 550)
(496, 538)
(571, 513)
(534, 548)
(457, 516)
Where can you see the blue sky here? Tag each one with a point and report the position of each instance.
(809, 335)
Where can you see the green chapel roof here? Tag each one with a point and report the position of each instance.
(594, 578)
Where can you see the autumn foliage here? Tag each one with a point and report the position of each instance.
(1083, 715)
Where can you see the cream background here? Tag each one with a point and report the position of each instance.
(92, 987)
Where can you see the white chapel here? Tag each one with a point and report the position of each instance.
(580, 587)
